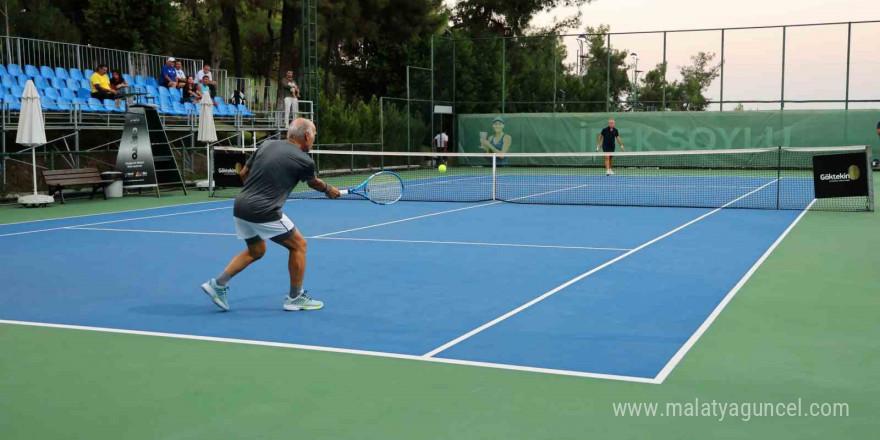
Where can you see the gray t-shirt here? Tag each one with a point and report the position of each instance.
(274, 170)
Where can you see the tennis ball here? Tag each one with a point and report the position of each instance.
(441, 168)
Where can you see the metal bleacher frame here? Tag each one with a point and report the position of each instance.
(67, 127)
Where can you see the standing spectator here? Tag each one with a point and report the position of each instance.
(206, 73)
(101, 88)
(168, 77)
(291, 97)
(118, 84)
(192, 93)
(181, 75)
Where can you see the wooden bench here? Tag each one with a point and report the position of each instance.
(57, 180)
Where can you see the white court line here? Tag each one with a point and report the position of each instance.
(381, 240)
(443, 212)
(562, 286)
(336, 350)
(473, 243)
(679, 355)
(111, 213)
(114, 221)
(147, 231)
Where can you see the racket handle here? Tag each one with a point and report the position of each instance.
(343, 192)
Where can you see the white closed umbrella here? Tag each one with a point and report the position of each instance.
(207, 132)
(32, 133)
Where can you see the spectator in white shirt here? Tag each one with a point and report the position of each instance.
(181, 76)
(206, 73)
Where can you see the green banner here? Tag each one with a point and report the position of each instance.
(663, 131)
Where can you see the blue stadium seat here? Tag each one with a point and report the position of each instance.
(52, 93)
(244, 110)
(68, 94)
(58, 83)
(175, 93)
(30, 70)
(39, 82)
(22, 80)
(139, 81)
(85, 84)
(61, 73)
(218, 100)
(179, 108)
(152, 81)
(76, 74)
(3, 72)
(47, 72)
(163, 91)
(225, 110)
(12, 103)
(63, 104)
(95, 105)
(87, 74)
(7, 81)
(190, 108)
(82, 105)
(14, 70)
(17, 91)
(129, 79)
(152, 91)
(72, 84)
(84, 93)
(48, 104)
(165, 105)
(110, 106)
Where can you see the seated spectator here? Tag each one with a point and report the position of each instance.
(181, 76)
(118, 84)
(168, 77)
(206, 73)
(237, 98)
(101, 88)
(206, 86)
(191, 93)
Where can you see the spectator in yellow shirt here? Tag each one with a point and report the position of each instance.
(100, 82)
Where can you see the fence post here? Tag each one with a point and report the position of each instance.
(848, 54)
(608, 77)
(782, 91)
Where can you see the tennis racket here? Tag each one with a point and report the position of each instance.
(382, 188)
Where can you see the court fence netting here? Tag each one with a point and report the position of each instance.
(759, 178)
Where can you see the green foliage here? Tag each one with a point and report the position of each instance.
(40, 19)
(142, 25)
(685, 94)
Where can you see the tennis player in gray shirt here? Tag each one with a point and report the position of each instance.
(269, 176)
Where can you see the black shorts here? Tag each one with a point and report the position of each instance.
(608, 149)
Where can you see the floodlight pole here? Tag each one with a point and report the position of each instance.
(664, 71)
(848, 54)
(721, 103)
(782, 89)
(608, 77)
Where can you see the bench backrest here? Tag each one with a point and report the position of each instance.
(71, 177)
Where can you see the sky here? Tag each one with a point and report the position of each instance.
(815, 66)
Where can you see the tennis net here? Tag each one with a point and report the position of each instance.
(765, 178)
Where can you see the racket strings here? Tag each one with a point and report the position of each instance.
(384, 188)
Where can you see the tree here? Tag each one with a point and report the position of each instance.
(143, 25)
(504, 17)
(39, 19)
(686, 94)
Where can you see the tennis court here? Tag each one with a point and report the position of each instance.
(610, 292)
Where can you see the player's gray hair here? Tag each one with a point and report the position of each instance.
(298, 129)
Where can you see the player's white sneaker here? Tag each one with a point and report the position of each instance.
(217, 293)
(302, 302)
(609, 173)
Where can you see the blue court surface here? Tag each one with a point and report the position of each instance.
(614, 292)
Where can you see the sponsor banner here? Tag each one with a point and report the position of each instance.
(135, 157)
(840, 175)
(227, 165)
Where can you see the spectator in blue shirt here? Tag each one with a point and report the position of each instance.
(168, 78)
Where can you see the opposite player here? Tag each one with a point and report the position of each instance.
(269, 176)
(606, 140)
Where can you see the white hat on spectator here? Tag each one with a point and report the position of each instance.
(171, 59)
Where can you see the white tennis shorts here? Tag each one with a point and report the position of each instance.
(246, 230)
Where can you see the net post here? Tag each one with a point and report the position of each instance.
(870, 171)
(494, 176)
(778, 176)
(210, 170)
